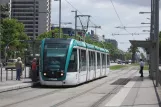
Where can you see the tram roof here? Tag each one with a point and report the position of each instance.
(90, 46)
(76, 43)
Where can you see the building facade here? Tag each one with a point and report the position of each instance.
(23, 11)
(6, 2)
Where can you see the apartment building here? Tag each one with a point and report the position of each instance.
(23, 11)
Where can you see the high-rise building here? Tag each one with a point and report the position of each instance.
(23, 11)
(6, 2)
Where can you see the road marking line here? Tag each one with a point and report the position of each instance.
(121, 95)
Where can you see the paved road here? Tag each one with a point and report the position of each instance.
(91, 94)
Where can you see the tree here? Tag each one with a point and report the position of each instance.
(12, 31)
(142, 56)
(128, 56)
(4, 11)
(133, 50)
(49, 34)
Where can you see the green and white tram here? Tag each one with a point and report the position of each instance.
(71, 62)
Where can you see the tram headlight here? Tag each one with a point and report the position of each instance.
(44, 74)
(61, 74)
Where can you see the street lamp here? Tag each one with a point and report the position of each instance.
(25, 50)
(145, 23)
(59, 17)
(144, 12)
(6, 47)
(146, 30)
(75, 22)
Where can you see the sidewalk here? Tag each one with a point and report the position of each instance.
(139, 92)
(13, 85)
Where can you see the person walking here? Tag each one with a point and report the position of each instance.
(18, 66)
(34, 70)
(141, 67)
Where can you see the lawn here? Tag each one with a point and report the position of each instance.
(116, 67)
(146, 67)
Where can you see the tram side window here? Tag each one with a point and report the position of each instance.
(73, 62)
(90, 60)
(93, 60)
(98, 60)
(82, 59)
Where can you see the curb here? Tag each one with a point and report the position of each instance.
(17, 86)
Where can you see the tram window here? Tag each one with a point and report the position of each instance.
(90, 60)
(82, 58)
(73, 62)
(98, 60)
(94, 60)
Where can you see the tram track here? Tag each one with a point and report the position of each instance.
(68, 99)
(96, 104)
(80, 94)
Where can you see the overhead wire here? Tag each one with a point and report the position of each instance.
(119, 17)
(82, 14)
(93, 22)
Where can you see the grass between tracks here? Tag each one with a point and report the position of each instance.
(116, 67)
(146, 67)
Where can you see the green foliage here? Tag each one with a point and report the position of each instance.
(116, 67)
(133, 50)
(128, 56)
(49, 34)
(160, 44)
(11, 32)
(4, 11)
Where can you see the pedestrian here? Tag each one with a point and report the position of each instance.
(34, 70)
(18, 66)
(141, 67)
(37, 67)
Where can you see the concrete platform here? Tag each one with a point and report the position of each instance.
(13, 85)
(139, 92)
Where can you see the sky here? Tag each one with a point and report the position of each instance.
(103, 14)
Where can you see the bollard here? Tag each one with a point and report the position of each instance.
(12, 74)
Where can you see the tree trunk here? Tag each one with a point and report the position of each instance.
(133, 57)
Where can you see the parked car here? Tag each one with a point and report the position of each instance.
(119, 62)
(10, 64)
(126, 62)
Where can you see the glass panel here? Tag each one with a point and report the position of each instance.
(55, 57)
(82, 58)
(98, 60)
(73, 62)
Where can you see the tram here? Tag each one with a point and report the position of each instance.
(71, 62)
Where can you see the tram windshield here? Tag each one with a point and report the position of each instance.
(55, 57)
